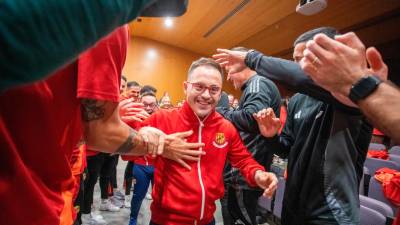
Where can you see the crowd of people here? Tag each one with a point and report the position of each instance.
(209, 147)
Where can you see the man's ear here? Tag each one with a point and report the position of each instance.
(185, 85)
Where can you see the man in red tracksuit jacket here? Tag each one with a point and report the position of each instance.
(187, 195)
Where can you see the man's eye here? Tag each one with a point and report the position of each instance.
(215, 89)
(199, 87)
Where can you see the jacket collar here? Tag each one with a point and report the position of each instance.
(188, 114)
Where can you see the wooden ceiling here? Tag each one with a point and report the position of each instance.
(269, 25)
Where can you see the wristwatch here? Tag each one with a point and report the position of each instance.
(364, 87)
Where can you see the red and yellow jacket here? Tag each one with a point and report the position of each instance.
(182, 196)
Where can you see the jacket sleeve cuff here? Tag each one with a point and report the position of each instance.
(250, 58)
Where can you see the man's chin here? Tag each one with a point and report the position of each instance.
(202, 113)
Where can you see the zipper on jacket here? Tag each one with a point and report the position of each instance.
(203, 192)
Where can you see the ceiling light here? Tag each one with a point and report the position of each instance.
(168, 22)
(151, 54)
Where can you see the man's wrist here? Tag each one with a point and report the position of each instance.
(257, 173)
(351, 79)
(363, 87)
(130, 143)
(246, 58)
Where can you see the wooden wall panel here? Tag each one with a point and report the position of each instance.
(165, 68)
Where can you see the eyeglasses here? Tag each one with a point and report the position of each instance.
(200, 88)
(151, 105)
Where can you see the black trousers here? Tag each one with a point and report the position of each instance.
(240, 205)
(128, 177)
(113, 179)
(79, 200)
(99, 165)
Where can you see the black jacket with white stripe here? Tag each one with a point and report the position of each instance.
(257, 93)
(327, 143)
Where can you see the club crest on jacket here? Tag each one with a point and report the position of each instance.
(220, 141)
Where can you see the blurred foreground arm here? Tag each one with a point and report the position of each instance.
(346, 61)
(37, 37)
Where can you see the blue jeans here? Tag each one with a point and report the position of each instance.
(143, 175)
(210, 223)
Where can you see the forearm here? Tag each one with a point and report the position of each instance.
(276, 69)
(115, 138)
(58, 31)
(289, 74)
(241, 119)
(105, 131)
(382, 109)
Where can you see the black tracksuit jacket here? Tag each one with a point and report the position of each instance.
(327, 144)
(257, 93)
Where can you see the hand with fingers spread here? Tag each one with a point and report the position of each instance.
(132, 111)
(177, 149)
(153, 140)
(227, 57)
(267, 181)
(267, 122)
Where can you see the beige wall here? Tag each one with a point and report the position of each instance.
(165, 68)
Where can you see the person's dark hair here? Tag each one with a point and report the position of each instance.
(240, 49)
(283, 102)
(124, 78)
(205, 62)
(148, 93)
(132, 84)
(309, 35)
(224, 100)
(148, 88)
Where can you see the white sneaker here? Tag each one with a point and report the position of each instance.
(119, 195)
(97, 215)
(89, 219)
(117, 202)
(127, 201)
(106, 205)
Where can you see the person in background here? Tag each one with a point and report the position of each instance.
(78, 167)
(148, 88)
(143, 169)
(123, 85)
(235, 103)
(231, 98)
(133, 91)
(283, 112)
(117, 197)
(257, 93)
(132, 112)
(316, 125)
(165, 101)
(223, 101)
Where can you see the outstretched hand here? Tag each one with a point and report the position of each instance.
(132, 111)
(268, 123)
(227, 57)
(179, 150)
(267, 181)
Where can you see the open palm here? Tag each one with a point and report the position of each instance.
(268, 123)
